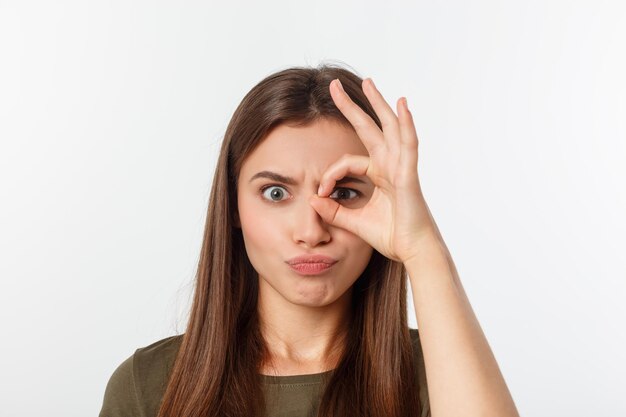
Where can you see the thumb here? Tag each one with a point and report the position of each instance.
(331, 212)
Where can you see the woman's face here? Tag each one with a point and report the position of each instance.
(278, 223)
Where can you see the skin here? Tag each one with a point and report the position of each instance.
(462, 373)
(303, 317)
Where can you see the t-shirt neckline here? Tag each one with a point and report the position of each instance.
(295, 379)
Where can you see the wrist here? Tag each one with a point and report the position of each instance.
(427, 246)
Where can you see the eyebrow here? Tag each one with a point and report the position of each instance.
(291, 181)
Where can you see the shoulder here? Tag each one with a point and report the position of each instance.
(418, 356)
(417, 346)
(414, 334)
(138, 383)
(156, 360)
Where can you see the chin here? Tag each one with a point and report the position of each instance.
(314, 297)
(312, 303)
(311, 300)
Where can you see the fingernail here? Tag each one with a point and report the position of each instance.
(372, 81)
(339, 85)
(406, 106)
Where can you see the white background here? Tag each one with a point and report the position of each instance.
(111, 117)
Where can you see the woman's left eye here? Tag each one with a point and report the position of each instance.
(344, 191)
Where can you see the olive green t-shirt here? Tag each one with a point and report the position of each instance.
(136, 387)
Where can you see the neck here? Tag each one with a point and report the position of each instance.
(302, 339)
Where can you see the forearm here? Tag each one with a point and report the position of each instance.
(462, 373)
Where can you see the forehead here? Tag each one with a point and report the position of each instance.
(315, 147)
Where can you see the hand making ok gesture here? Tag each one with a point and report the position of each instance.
(396, 217)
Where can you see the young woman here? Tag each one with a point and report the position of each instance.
(316, 217)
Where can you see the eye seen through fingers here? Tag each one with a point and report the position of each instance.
(273, 193)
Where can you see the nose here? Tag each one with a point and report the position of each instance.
(308, 226)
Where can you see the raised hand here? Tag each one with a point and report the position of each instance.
(396, 217)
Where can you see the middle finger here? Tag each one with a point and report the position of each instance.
(365, 127)
(388, 119)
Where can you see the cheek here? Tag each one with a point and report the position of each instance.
(363, 255)
(359, 250)
(253, 230)
(259, 235)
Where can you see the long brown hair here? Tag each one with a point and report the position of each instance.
(216, 372)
